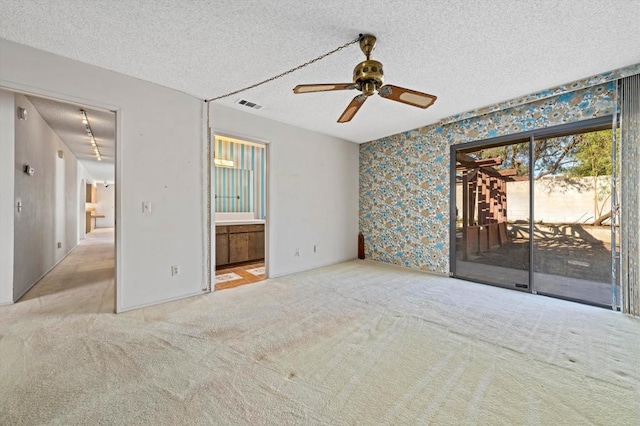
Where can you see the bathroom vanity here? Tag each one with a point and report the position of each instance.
(239, 241)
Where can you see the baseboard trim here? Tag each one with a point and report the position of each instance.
(406, 268)
(160, 302)
(295, 271)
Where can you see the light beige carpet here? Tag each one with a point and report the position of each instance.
(354, 343)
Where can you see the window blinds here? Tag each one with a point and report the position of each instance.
(630, 193)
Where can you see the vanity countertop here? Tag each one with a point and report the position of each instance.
(239, 222)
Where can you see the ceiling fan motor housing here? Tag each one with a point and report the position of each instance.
(369, 71)
(368, 78)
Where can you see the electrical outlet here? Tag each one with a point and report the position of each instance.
(59, 244)
(297, 253)
(175, 270)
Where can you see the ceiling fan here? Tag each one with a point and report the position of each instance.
(368, 78)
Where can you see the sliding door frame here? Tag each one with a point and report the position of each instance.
(530, 136)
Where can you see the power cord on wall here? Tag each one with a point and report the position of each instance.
(287, 72)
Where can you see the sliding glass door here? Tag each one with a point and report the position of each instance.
(533, 212)
(492, 215)
(571, 214)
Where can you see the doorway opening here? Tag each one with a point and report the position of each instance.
(534, 212)
(240, 206)
(64, 198)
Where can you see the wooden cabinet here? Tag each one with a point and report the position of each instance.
(91, 194)
(90, 219)
(255, 250)
(239, 243)
(237, 229)
(222, 245)
(238, 247)
(89, 223)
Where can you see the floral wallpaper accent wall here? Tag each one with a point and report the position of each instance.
(404, 178)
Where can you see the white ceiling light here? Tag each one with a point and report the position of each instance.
(222, 162)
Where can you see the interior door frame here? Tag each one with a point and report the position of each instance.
(530, 136)
(212, 212)
(92, 104)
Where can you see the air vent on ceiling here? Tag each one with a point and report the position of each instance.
(249, 104)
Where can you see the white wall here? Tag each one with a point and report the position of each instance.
(159, 147)
(313, 191)
(106, 196)
(7, 132)
(48, 198)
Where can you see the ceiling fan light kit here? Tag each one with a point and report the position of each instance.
(368, 77)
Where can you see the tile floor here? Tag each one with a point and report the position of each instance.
(235, 276)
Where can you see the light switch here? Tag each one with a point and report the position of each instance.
(146, 207)
(19, 206)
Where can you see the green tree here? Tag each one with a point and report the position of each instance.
(593, 159)
(515, 156)
(593, 154)
(554, 155)
(551, 156)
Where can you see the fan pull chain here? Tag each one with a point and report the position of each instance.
(287, 72)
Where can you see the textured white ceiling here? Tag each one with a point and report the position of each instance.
(65, 120)
(468, 53)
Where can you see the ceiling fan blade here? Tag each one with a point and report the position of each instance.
(407, 96)
(352, 108)
(308, 88)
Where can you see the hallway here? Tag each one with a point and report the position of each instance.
(86, 275)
